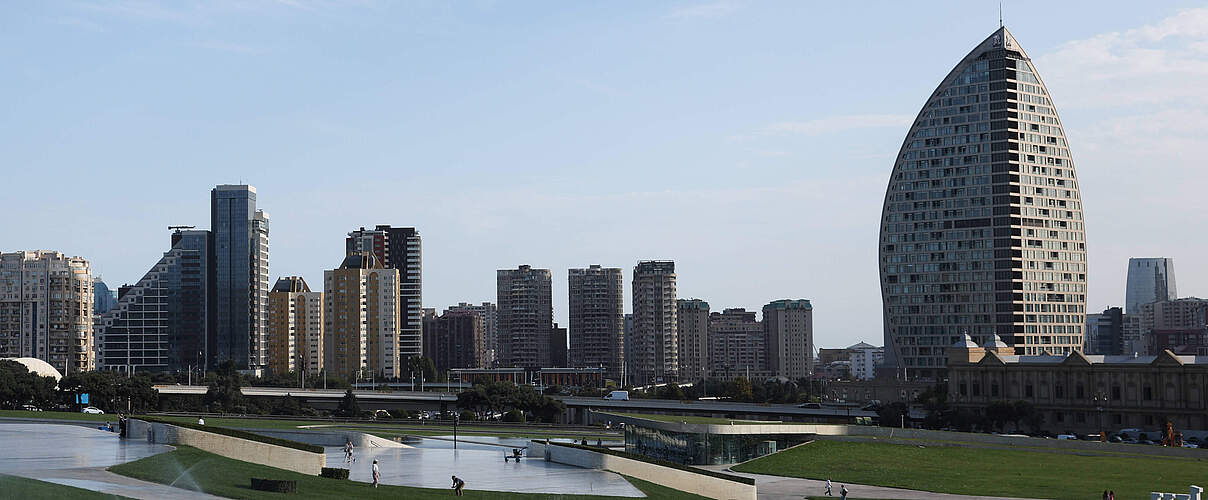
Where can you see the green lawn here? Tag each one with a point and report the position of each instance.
(20, 487)
(978, 471)
(697, 420)
(59, 415)
(225, 477)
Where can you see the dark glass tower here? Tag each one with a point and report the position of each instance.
(240, 259)
(982, 225)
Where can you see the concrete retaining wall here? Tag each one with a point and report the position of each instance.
(280, 457)
(700, 484)
(360, 440)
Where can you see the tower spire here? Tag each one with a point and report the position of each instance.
(1000, 13)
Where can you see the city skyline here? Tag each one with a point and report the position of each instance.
(755, 194)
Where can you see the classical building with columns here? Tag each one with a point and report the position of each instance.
(1083, 393)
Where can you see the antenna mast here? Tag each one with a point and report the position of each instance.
(1000, 14)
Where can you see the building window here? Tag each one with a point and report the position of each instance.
(1059, 391)
(964, 390)
(994, 390)
(1079, 392)
(1027, 390)
(1148, 395)
(1116, 392)
(976, 389)
(1058, 416)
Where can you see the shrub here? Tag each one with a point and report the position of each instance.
(274, 485)
(334, 473)
(467, 415)
(513, 416)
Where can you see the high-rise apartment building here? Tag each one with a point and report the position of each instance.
(655, 345)
(558, 350)
(295, 327)
(982, 226)
(597, 319)
(489, 313)
(360, 319)
(789, 328)
(1179, 325)
(46, 309)
(737, 344)
(398, 248)
(526, 317)
(455, 340)
(692, 333)
(1149, 280)
(240, 279)
(161, 322)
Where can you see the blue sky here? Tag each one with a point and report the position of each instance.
(749, 141)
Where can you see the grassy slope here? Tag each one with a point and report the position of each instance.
(20, 487)
(58, 415)
(232, 478)
(974, 471)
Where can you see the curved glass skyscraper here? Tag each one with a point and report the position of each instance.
(982, 226)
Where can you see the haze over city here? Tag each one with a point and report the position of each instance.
(749, 142)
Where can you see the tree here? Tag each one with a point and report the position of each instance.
(19, 386)
(999, 413)
(740, 390)
(225, 389)
(418, 365)
(893, 414)
(348, 405)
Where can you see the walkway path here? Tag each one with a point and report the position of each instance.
(784, 488)
(99, 479)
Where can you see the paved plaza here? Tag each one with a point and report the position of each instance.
(77, 456)
(431, 462)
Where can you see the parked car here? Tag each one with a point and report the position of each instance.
(92, 410)
(810, 405)
(30, 408)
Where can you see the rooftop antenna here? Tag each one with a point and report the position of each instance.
(1000, 14)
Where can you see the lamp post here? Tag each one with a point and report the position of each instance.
(456, 417)
(1100, 399)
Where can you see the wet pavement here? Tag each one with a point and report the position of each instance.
(432, 462)
(77, 456)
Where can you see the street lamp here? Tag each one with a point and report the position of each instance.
(1100, 399)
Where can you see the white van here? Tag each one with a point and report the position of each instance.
(617, 395)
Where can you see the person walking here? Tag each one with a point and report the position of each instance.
(1104, 494)
(377, 475)
(1111, 495)
(348, 451)
(458, 484)
(828, 487)
(843, 492)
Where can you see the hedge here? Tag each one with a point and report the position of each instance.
(334, 473)
(274, 485)
(238, 434)
(655, 461)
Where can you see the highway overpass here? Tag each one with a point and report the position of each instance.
(578, 409)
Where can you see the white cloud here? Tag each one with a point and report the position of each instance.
(710, 10)
(832, 124)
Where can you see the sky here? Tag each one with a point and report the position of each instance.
(750, 142)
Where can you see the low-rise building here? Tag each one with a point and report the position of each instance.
(1083, 393)
(864, 362)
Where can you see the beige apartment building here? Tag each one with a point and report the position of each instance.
(693, 337)
(46, 309)
(295, 327)
(361, 319)
(789, 328)
(655, 356)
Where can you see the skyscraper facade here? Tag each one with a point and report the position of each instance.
(295, 327)
(692, 333)
(103, 299)
(1105, 332)
(526, 317)
(160, 322)
(558, 350)
(655, 345)
(789, 328)
(982, 226)
(241, 280)
(597, 319)
(398, 248)
(46, 309)
(490, 333)
(1149, 280)
(360, 319)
